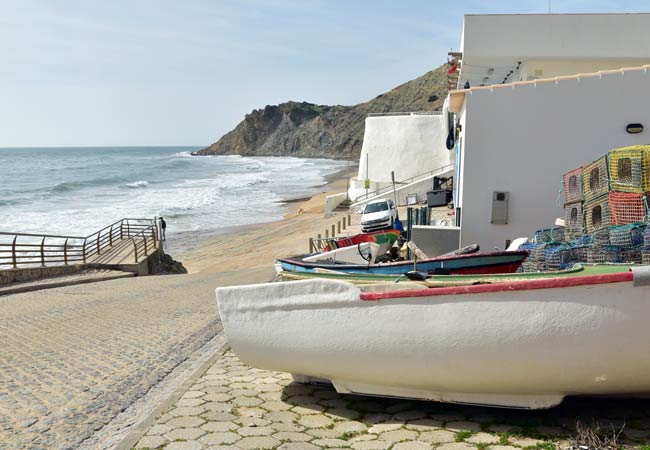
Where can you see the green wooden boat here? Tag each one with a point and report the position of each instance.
(582, 269)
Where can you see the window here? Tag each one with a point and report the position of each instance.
(625, 170)
(596, 216)
(573, 184)
(573, 218)
(594, 179)
(376, 207)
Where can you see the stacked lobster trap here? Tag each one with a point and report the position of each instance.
(605, 214)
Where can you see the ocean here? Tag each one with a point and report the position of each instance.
(76, 191)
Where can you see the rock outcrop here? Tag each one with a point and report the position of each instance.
(307, 130)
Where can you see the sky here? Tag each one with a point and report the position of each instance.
(162, 72)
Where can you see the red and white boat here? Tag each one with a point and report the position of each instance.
(523, 344)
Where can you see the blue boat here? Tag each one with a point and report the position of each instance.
(473, 263)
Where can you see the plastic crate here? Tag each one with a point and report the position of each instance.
(595, 179)
(628, 169)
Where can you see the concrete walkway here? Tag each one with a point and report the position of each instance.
(233, 406)
(73, 358)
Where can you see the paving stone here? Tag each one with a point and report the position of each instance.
(323, 433)
(447, 417)
(330, 443)
(524, 441)
(371, 445)
(505, 447)
(343, 413)
(398, 435)
(287, 426)
(252, 422)
(292, 436)
(501, 428)
(256, 431)
(281, 416)
(298, 446)
(462, 425)
(219, 438)
(216, 389)
(275, 406)
(187, 445)
(159, 429)
(259, 442)
(374, 418)
(218, 416)
(423, 424)
(383, 427)
(192, 394)
(217, 406)
(250, 412)
(456, 446)
(309, 408)
(221, 397)
(413, 445)
(483, 438)
(152, 442)
(185, 422)
(186, 434)
(350, 426)
(187, 411)
(438, 436)
(315, 421)
(215, 427)
(409, 415)
(190, 402)
(246, 401)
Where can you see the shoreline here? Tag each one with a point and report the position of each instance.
(253, 248)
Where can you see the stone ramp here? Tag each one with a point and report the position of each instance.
(86, 276)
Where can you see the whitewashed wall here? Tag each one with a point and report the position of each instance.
(556, 36)
(409, 145)
(521, 139)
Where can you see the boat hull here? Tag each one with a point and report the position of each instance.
(475, 263)
(523, 346)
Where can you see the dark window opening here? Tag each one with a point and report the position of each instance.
(573, 219)
(596, 216)
(573, 184)
(594, 179)
(625, 170)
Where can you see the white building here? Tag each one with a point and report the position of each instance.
(548, 94)
(410, 145)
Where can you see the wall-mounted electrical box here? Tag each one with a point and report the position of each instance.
(500, 202)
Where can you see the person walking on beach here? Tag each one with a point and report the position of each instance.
(163, 227)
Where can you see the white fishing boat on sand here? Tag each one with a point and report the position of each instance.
(524, 344)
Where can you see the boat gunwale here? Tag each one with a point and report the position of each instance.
(524, 285)
(299, 262)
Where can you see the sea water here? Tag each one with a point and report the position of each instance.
(76, 191)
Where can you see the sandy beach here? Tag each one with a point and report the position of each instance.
(247, 253)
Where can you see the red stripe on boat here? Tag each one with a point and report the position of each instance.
(547, 283)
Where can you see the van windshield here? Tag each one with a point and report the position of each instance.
(375, 207)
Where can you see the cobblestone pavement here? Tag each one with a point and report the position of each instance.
(236, 407)
(72, 358)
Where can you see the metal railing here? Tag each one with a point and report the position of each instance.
(411, 180)
(18, 250)
(406, 113)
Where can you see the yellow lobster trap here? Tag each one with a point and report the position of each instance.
(629, 169)
(595, 179)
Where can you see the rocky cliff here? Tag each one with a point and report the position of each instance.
(307, 130)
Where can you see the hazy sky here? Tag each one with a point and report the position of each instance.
(145, 72)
